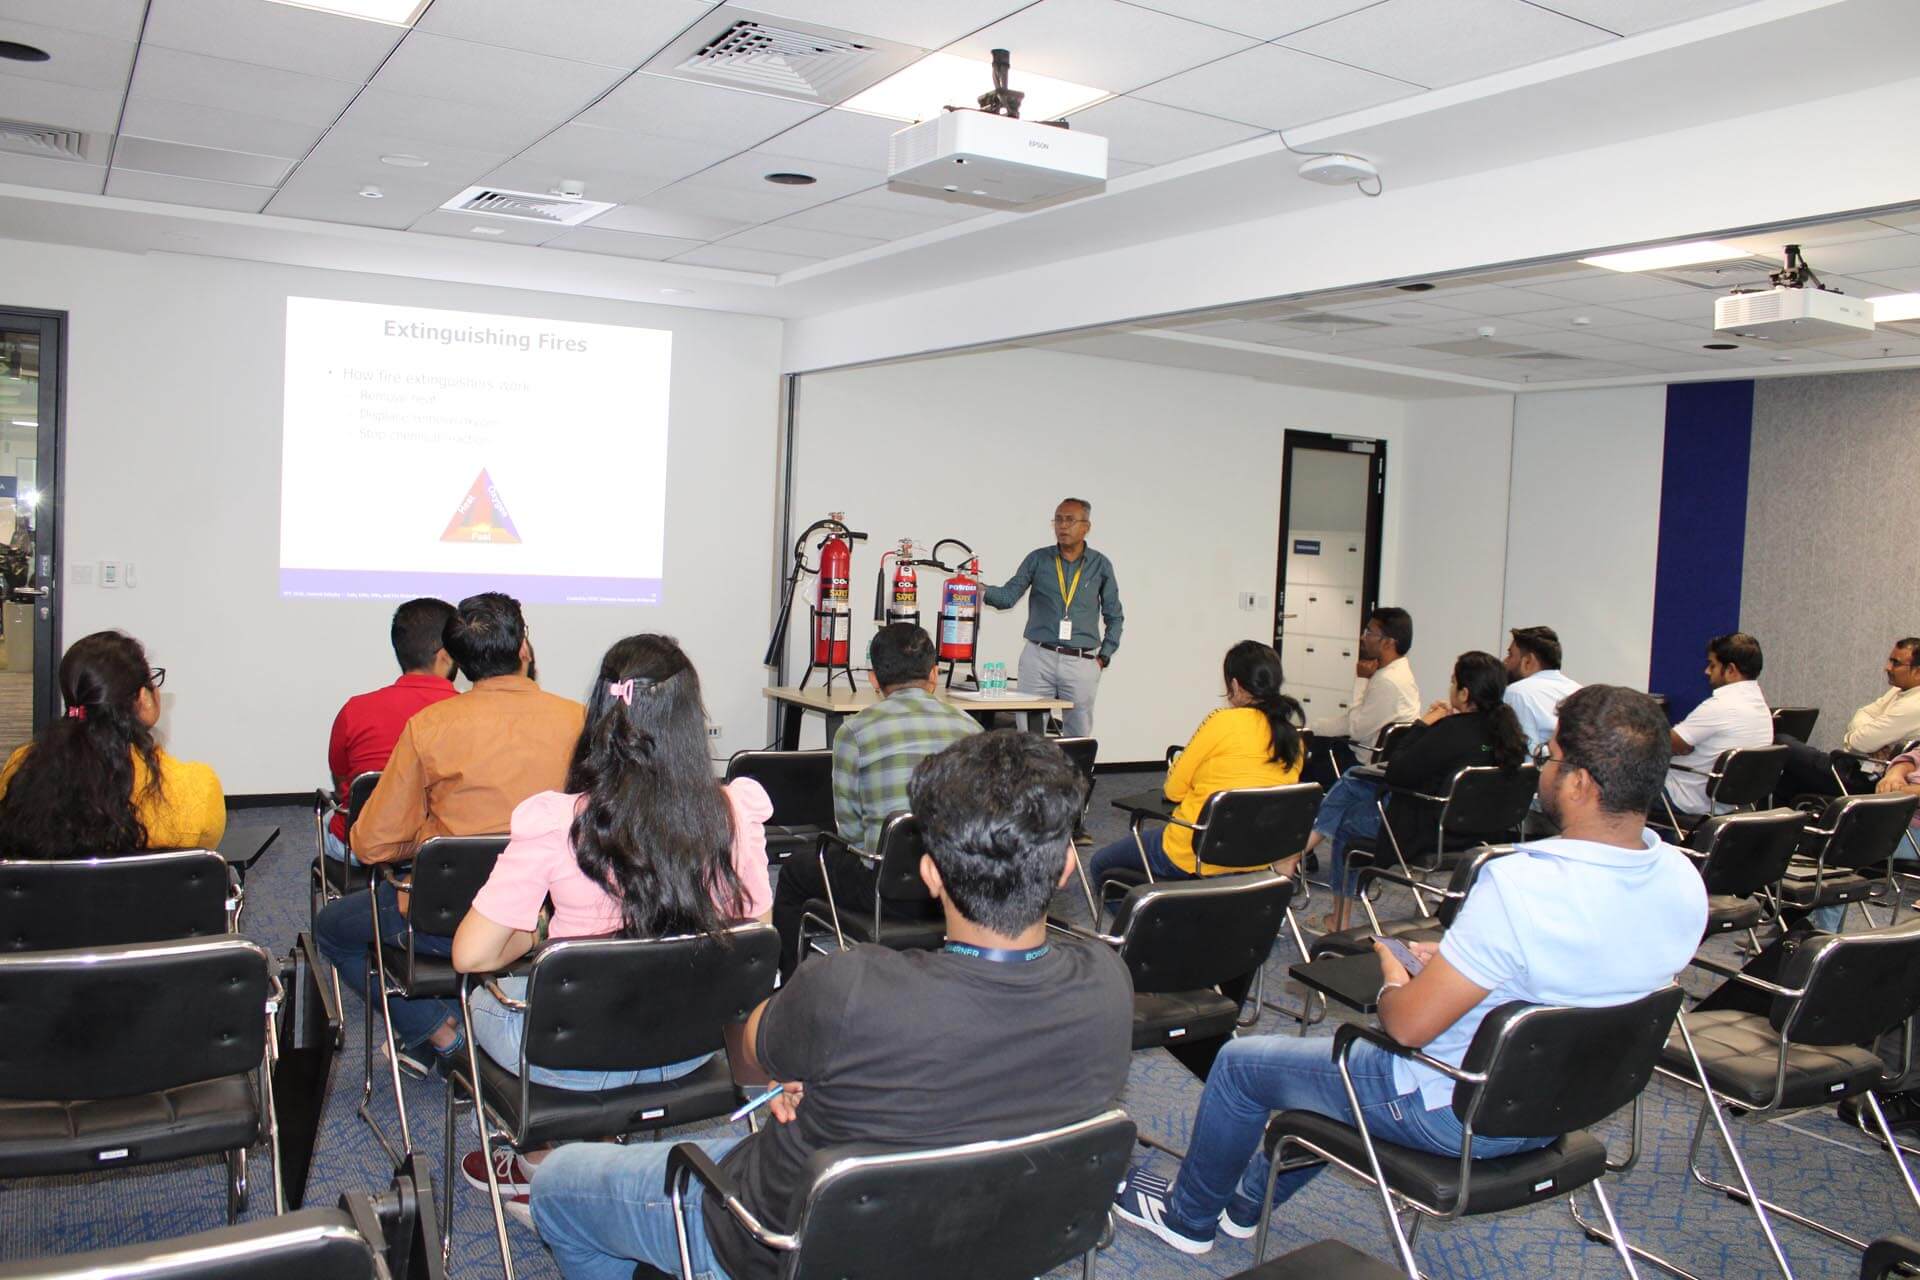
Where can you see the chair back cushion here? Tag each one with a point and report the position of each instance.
(1006, 1210)
(624, 1004)
(109, 902)
(800, 784)
(1552, 1069)
(1794, 724)
(447, 872)
(310, 1244)
(1185, 935)
(1747, 775)
(1465, 872)
(1256, 826)
(1486, 801)
(116, 1022)
(1746, 852)
(1867, 830)
(1859, 986)
(900, 850)
(358, 793)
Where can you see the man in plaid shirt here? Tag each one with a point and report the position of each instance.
(873, 757)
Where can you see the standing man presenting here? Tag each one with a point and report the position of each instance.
(1074, 592)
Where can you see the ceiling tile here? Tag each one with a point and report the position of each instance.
(1149, 133)
(1682, 307)
(501, 126)
(1626, 17)
(272, 35)
(1598, 285)
(1276, 88)
(846, 217)
(1905, 280)
(745, 260)
(748, 172)
(1594, 317)
(61, 175)
(212, 127)
(119, 19)
(68, 106)
(1865, 257)
(75, 57)
(621, 244)
(153, 155)
(600, 184)
(668, 108)
(576, 149)
(775, 238)
(705, 199)
(461, 226)
(1406, 309)
(331, 196)
(1498, 300)
(240, 86)
(432, 66)
(881, 196)
(359, 153)
(662, 224)
(172, 189)
(1879, 346)
(617, 32)
(1102, 43)
(850, 138)
(927, 25)
(1434, 45)
(1265, 19)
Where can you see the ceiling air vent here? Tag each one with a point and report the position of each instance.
(1327, 322)
(741, 49)
(525, 206)
(44, 140)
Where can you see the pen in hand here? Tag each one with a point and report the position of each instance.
(755, 1104)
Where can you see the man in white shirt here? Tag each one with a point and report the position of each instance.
(1384, 690)
(1878, 729)
(1535, 684)
(1734, 715)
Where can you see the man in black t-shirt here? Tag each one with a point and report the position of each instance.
(1002, 1033)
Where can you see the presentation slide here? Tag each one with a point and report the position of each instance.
(444, 453)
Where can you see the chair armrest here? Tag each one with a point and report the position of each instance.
(1686, 768)
(834, 840)
(1727, 971)
(1350, 1032)
(687, 1160)
(1085, 935)
(1140, 816)
(1368, 874)
(397, 874)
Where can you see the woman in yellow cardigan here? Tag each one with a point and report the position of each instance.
(1253, 741)
(94, 782)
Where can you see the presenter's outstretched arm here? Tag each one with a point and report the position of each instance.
(1008, 595)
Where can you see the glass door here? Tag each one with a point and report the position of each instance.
(30, 410)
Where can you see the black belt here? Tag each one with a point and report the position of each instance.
(1061, 648)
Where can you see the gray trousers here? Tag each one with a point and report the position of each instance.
(1046, 674)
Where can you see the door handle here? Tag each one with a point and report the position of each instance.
(31, 593)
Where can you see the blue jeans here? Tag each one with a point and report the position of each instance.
(336, 849)
(344, 931)
(1829, 919)
(1261, 1074)
(1347, 813)
(602, 1207)
(498, 1031)
(1121, 855)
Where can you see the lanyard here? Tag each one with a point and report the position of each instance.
(999, 955)
(1060, 572)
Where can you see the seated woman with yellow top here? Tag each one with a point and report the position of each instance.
(1254, 741)
(94, 782)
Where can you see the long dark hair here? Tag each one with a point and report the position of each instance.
(656, 831)
(72, 796)
(1257, 668)
(1483, 678)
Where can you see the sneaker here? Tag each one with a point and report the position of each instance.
(515, 1174)
(411, 1063)
(1235, 1228)
(520, 1209)
(1142, 1200)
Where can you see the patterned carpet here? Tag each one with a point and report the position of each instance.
(1810, 1161)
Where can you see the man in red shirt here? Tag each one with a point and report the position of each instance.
(368, 725)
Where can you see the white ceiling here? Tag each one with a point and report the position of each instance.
(255, 107)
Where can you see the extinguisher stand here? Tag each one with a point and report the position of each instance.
(832, 669)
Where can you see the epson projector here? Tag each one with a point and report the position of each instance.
(977, 157)
(1788, 314)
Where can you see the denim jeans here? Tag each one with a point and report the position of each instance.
(344, 931)
(1258, 1075)
(602, 1207)
(1829, 919)
(1347, 813)
(1121, 855)
(498, 1031)
(336, 849)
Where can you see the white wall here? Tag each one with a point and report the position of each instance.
(173, 462)
(1584, 529)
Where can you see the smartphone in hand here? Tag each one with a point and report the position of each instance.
(1401, 952)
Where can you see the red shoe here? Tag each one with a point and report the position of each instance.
(515, 1175)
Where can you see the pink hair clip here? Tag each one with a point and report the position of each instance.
(621, 689)
(76, 713)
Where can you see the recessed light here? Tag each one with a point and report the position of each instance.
(397, 13)
(941, 80)
(1668, 255)
(1419, 286)
(792, 179)
(14, 51)
(1719, 346)
(1783, 359)
(1895, 306)
(372, 193)
(406, 162)
(488, 231)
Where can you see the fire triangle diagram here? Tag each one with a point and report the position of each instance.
(481, 516)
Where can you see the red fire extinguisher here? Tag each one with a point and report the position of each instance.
(900, 600)
(833, 605)
(960, 613)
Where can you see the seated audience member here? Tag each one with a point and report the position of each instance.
(459, 768)
(1006, 1032)
(1384, 693)
(369, 724)
(1601, 915)
(1878, 730)
(873, 756)
(1735, 714)
(1535, 684)
(641, 844)
(1473, 726)
(95, 782)
(1253, 741)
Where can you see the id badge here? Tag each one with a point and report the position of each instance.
(1066, 630)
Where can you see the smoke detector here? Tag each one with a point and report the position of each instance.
(1338, 170)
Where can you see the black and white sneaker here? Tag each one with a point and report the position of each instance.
(1238, 1230)
(1142, 1200)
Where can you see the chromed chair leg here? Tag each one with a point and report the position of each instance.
(486, 1151)
(1893, 1148)
(1619, 1240)
(1711, 1107)
(446, 1179)
(236, 1184)
(1601, 1235)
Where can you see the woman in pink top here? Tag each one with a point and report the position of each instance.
(642, 844)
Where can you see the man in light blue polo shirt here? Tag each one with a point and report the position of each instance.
(1535, 684)
(1601, 915)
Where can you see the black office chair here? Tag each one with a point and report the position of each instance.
(1739, 778)
(445, 874)
(329, 879)
(1420, 927)
(112, 902)
(1324, 1260)
(1846, 854)
(998, 1209)
(1891, 1257)
(1834, 994)
(1742, 857)
(1531, 1070)
(1236, 830)
(1858, 772)
(1794, 724)
(1082, 752)
(1484, 805)
(896, 880)
(1387, 739)
(613, 1004)
(800, 784)
(130, 1055)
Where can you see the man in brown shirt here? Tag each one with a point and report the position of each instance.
(460, 768)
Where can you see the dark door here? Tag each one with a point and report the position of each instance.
(1331, 502)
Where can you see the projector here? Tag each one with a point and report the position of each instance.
(977, 157)
(1788, 313)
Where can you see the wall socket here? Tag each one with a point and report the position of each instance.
(713, 732)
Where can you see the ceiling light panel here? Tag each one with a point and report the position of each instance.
(1668, 255)
(1896, 306)
(272, 35)
(941, 80)
(398, 13)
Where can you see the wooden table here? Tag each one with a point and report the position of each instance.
(838, 704)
